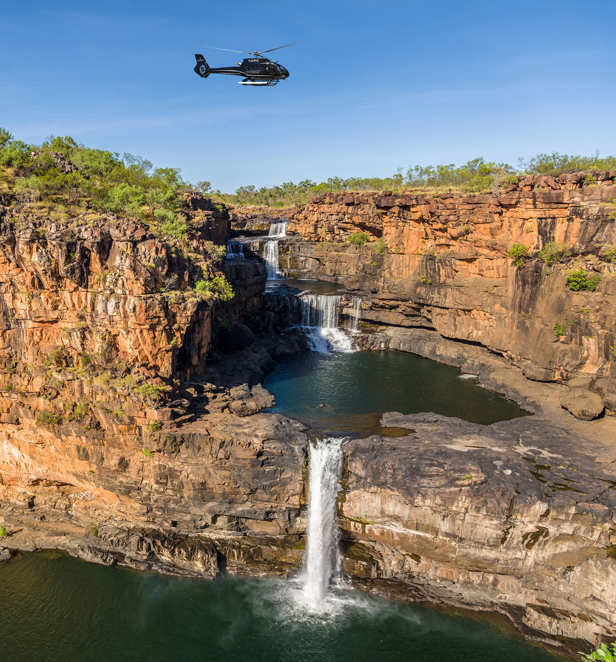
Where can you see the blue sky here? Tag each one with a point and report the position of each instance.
(374, 85)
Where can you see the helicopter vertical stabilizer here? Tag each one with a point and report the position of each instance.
(202, 68)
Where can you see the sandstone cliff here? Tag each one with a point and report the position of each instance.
(440, 262)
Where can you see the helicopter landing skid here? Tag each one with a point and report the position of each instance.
(259, 83)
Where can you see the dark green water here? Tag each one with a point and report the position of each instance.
(54, 608)
(357, 388)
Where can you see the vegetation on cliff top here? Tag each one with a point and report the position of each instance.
(476, 176)
(65, 180)
(68, 184)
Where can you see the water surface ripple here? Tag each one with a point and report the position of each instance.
(54, 608)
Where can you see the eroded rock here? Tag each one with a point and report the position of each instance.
(583, 404)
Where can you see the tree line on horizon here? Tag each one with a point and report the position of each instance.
(130, 184)
(475, 176)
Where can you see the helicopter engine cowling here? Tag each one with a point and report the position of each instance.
(202, 68)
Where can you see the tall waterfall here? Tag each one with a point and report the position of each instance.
(322, 560)
(272, 264)
(235, 251)
(278, 229)
(320, 314)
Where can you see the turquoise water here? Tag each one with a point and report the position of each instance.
(54, 608)
(355, 389)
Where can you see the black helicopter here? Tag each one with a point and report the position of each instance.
(256, 70)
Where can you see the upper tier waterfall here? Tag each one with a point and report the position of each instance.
(235, 251)
(322, 560)
(278, 229)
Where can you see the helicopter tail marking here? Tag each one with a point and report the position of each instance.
(202, 68)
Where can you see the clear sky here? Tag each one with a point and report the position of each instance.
(374, 85)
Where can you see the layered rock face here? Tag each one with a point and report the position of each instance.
(513, 515)
(440, 263)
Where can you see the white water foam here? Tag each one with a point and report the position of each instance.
(320, 317)
(469, 377)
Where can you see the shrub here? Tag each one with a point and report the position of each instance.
(174, 227)
(2, 531)
(94, 529)
(151, 391)
(379, 246)
(155, 426)
(424, 280)
(518, 254)
(125, 199)
(558, 330)
(579, 281)
(358, 238)
(603, 653)
(609, 254)
(219, 285)
(553, 253)
(146, 452)
(48, 418)
(219, 252)
(589, 180)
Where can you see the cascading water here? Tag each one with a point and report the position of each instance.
(322, 560)
(278, 229)
(270, 252)
(235, 251)
(320, 315)
(272, 264)
(353, 323)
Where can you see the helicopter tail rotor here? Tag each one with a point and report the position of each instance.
(202, 68)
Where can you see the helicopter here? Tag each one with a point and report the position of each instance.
(256, 70)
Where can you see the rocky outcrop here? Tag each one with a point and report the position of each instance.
(513, 517)
(254, 220)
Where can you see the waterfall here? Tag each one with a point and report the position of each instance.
(322, 560)
(235, 251)
(320, 315)
(356, 310)
(320, 311)
(278, 229)
(272, 264)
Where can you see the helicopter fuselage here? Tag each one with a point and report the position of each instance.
(254, 70)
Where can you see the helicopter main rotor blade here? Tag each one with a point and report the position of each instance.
(279, 47)
(225, 49)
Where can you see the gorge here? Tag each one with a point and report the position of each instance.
(146, 421)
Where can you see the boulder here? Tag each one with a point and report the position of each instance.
(583, 404)
(249, 402)
(538, 374)
(584, 382)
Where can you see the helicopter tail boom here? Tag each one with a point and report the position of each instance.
(202, 68)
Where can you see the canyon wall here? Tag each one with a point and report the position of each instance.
(440, 262)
